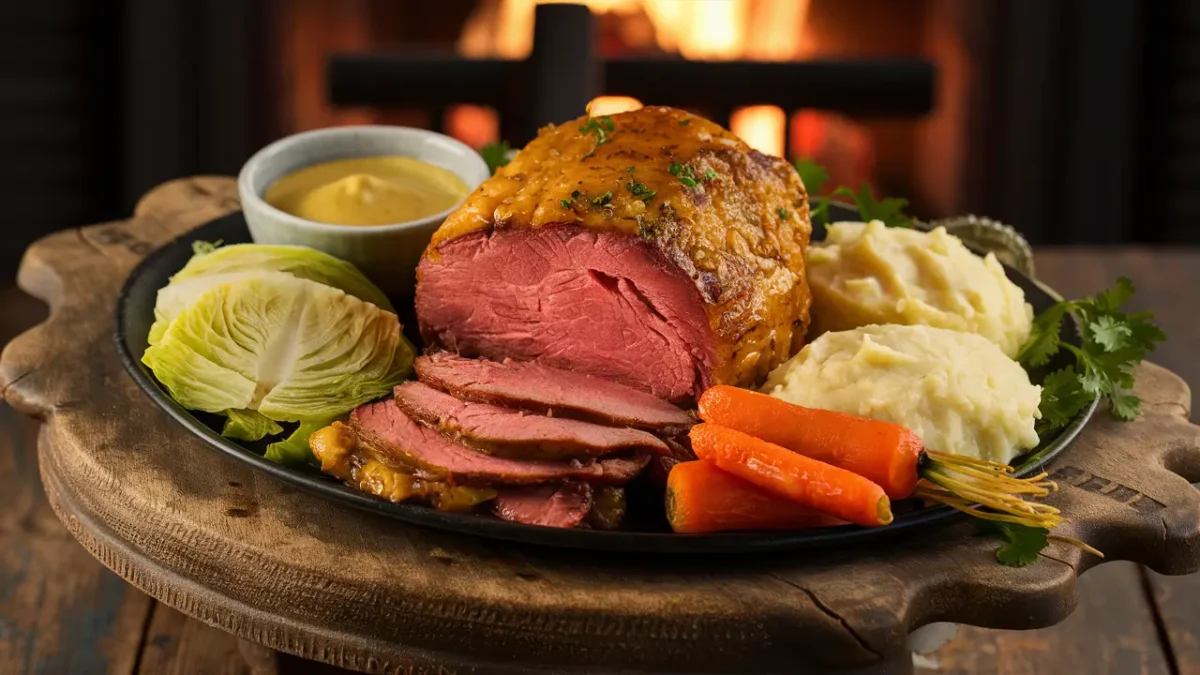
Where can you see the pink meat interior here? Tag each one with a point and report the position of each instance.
(599, 303)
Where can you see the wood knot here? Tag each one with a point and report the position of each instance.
(238, 513)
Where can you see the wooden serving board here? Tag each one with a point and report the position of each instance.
(240, 551)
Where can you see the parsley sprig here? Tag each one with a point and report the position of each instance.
(1111, 344)
(890, 210)
(495, 155)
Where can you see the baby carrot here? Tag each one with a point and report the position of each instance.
(888, 454)
(703, 498)
(885, 453)
(804, 480)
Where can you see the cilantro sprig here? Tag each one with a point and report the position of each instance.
(890, 210)
(1112, 343)
(1023, 543)
(495, 155)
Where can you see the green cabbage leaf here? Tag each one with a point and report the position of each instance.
(248, 425)
(212, 266)
(289, 348)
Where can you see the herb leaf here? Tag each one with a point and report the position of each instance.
(1044, 337)
(784, 213)
(1022, 543)
(603, 199)
(820, 215)
(890, 210)
(710, 175)
(813, 176)
(1112, 343)
(640, 191)
(600, 126)
(1063, 396)
(495, 155)
(683, 172)
(205, 247)
(566, 203)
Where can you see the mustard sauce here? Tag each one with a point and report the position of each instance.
(367, 191)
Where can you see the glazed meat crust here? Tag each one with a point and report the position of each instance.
(733, 220)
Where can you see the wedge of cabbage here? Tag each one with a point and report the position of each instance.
(291, 349)
(214, 266)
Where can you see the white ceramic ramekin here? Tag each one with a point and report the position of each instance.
(387, 254)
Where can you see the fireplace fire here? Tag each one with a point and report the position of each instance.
(730, 30)
(836, 81)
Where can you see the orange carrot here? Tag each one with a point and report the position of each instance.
(703, 498)
(804, 480)
(885, 453)
(888, 454)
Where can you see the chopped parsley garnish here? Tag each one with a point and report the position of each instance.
(784, 213)
(1112, 344)
(576, 194)
(640, 191)
(602, 200)
(567, 203)
(710, 175)
(630, 169)
(683, 172)
(684, 123)
(495, 155)
(600, 126)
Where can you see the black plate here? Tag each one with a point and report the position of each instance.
(135, 314)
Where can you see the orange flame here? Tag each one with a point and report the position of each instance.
(764, 30)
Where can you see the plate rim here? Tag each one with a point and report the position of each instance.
(474, 524)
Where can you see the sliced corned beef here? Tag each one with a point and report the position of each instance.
(508, 432)
(562, 505)
(593, 302)
(534, 386)
(391, 434)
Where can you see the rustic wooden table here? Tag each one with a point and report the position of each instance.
(61, 611)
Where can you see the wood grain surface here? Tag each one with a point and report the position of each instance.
(324, 582)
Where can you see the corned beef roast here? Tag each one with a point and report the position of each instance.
(652, 248)
(562, 505)
(508, 432)
(539, 388)
(393, 436)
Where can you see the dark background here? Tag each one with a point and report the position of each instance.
(1086, 128)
